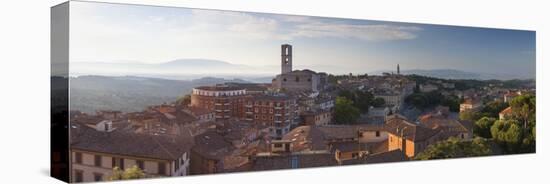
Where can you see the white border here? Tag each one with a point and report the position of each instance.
(25, 90)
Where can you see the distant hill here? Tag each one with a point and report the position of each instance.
(445, 74)
(130, 93)
(179, 67)
(458, 74)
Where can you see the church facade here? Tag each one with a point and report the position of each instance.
(297, 80)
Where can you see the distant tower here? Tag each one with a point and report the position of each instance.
(286, 58)
(398, 72)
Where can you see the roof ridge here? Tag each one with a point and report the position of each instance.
(162, 147)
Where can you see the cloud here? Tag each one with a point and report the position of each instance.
(236, 24)
(376, 32)
(285, 27)
(102, 32)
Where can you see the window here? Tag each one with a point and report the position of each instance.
(78, 157)
(294, 162)
(78, 176)
(162, 168)
(277, 145)
(377, 133)
(284, 79)
(97, 160)
(118, 162)
(98, 176)
(140, 164)
(297, 79)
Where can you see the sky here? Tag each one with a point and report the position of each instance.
(115, 33)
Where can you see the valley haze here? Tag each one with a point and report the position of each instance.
(189, 69)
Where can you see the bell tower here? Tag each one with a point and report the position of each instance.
(286, 58)
(398, 71)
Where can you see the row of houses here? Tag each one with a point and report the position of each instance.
(219, 147)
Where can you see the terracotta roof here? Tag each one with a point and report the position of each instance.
(346, 131)
(511, 94)
(306, 138)
(411, 131)
(165, 109)
(471, 101)
(389, 156)
(197, 111)
(185, 117)
(131, 144)
(212, 145)
(348, 146)
(506, 111)
(435, 121)
(379, 147)
(300, 159)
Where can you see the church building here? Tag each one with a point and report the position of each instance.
(297, 80)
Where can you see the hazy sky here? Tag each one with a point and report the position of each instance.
(103, 32)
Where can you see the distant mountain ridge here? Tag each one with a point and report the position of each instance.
(179, 66)
(457, 74)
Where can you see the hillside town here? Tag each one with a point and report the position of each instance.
(304, 119)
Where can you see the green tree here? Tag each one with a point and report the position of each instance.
(455, 148)
(363, 100)
(493, 108)
(378, 102)
(130, 173)
(472, 116)
(517, 135)
(508, 134)
(453, 102)
(523, 109)
(418, 100)
(482, 127)
(184, 100)
(345, 112)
